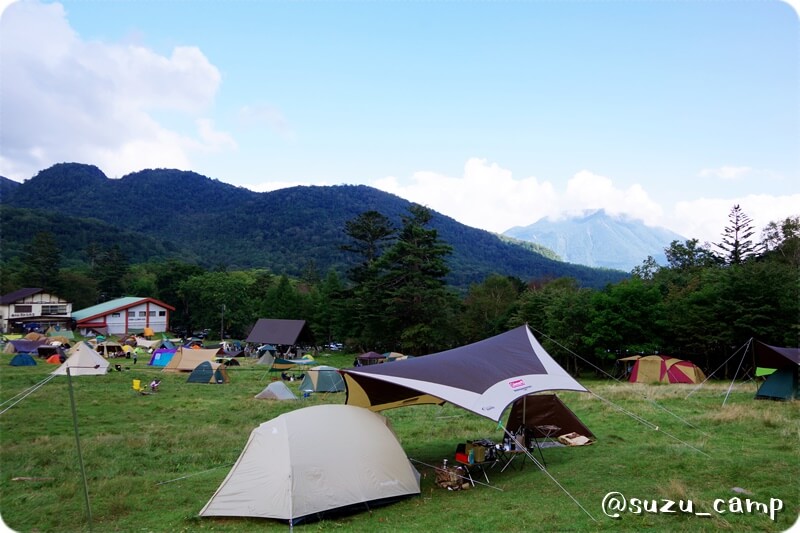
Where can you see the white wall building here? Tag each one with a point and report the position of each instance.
(123, 316)
(33, 309)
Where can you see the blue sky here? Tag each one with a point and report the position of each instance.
(495, 113)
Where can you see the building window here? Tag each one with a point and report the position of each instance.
(23, 309)
(60, 309)
(114, 315)
(142, 313)
(162, 313)
(152, 313)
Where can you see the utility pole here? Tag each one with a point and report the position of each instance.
(222, 325)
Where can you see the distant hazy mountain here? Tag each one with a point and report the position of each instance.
(599, 240)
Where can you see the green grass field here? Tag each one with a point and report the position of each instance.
(153, 461)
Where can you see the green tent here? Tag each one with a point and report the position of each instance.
(208, 372)
(783, 383)
(322, 379)
(780, 385)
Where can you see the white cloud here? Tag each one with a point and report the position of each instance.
(213, 140)
(484, 196)
(705, 219)
(725, 172)
(487, 196)
(265, 114)
(588, 191)
(65, 99)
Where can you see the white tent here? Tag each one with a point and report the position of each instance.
(266, 359)
(84, 361)
(314, 460)
(277, 390)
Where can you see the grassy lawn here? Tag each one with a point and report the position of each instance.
(153, 461)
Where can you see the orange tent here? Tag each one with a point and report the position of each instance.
(54, 359)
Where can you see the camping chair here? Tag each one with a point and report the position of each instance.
(138, 387)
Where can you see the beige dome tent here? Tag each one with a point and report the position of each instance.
(187, 359)
(84, 361)
(313, 461)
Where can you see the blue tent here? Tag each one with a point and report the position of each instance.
(23, 359)
(161, 357)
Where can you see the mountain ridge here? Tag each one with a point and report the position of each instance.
(598, 239)
(286, 230)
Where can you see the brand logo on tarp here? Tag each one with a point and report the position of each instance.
(516, 384)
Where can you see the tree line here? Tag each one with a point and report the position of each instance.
(703, 305)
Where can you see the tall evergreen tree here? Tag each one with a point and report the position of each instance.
(42, 261)
(488, 307)
(110, 271)
(736, 241)
(169, 276)
(412, 285)
(328, 309)
(283, 301)
(370, 232)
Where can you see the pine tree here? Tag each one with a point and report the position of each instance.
(370, 233)
(736, 241)
(412, 284)
(110, 271)
(42, 262)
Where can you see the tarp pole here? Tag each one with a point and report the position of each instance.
(741, 362)
(616, 379)
(720, 366)
(543, 469)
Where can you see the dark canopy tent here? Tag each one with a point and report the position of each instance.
(783, 383)
(484, 377)
(371, 358)
(280, 332)
(536, 410)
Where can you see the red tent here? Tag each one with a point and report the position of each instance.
(665, 369)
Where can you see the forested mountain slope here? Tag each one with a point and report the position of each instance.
(213, 223)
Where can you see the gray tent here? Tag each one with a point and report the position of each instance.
(277, 390)
(313, 462)
(322, 379)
